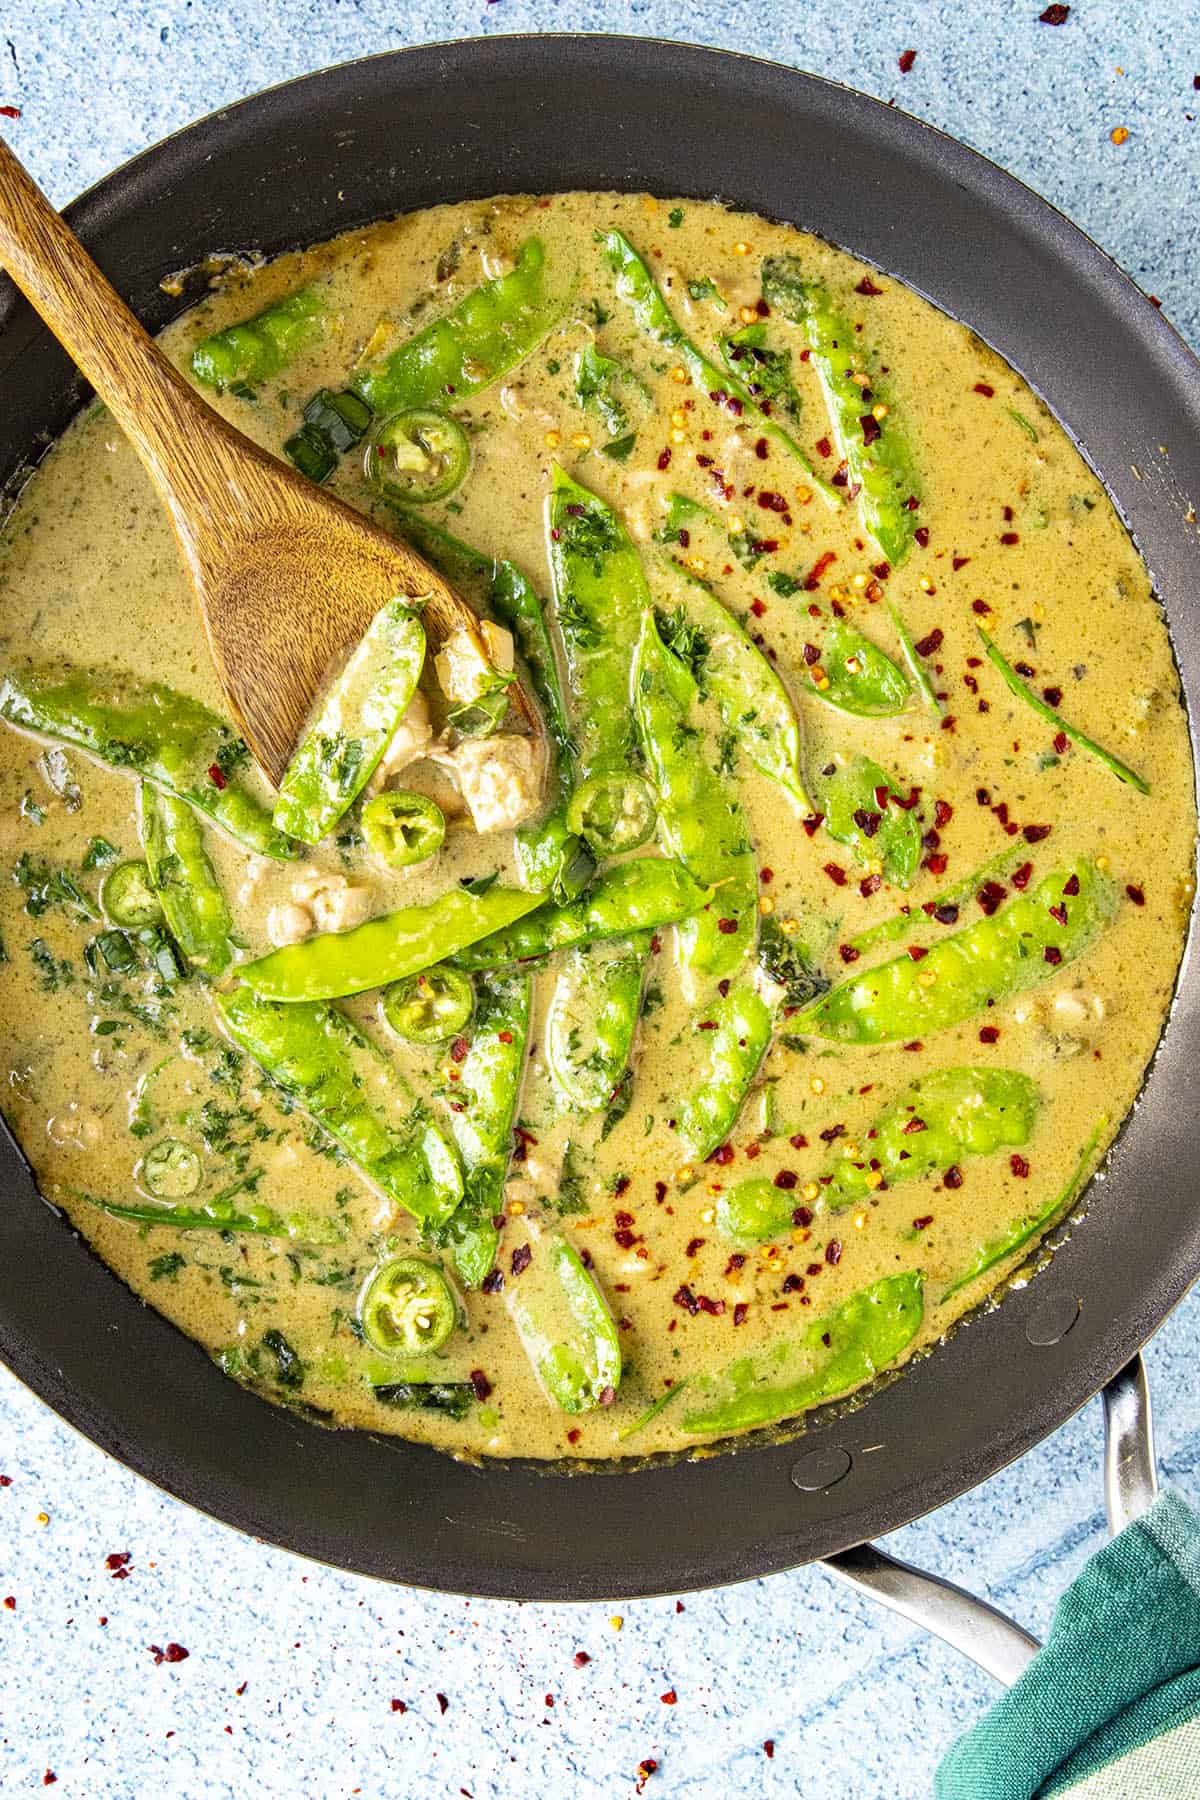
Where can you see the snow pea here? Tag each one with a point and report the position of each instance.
(631, 896)
(856, 676)
(637, 289)
(598, 379)
(755, 709)
(185, 880)
(220, 1214)
(1030, 1224)
(358, 714)
(384, 949)
(858, 802)
(1013, 681)
(700, 819)
(736, 1032)
(592, 1019)
(878, 460)
(258, 348)
(488, 1087)
(832, 1355)
(940, 1119)
(600, 594)
(904, 924)
(149, 730)
(916, 667)
(565, 1327)
(343, 1081)
(491, 330)
(996, 957)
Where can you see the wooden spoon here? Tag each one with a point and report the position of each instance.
(286, 577)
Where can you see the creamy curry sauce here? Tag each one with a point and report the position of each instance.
(1021, 537)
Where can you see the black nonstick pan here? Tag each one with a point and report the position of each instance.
(446, 123)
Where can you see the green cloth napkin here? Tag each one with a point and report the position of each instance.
(1110, 1708)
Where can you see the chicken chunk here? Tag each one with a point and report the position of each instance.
(288, 923)
(410, 740)
(463, 673)
(500, 778)
(334, 903)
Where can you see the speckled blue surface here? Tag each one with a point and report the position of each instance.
(293, 1674)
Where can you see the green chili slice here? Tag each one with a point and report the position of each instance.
(403, 828)
(128, 896)
(417, 456)
(430, 1007)
(613, 812)
(407, 1307)
(171, 1170)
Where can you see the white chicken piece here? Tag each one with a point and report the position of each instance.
(334, 903)
(500, 778)
(288, 923)
(410, 740)
(463, 672)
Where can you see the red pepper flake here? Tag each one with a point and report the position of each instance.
(752, 1150)
(1054, 15)
(921, 534)
(1033, 834)
(758, 607)
(740, 1312)
(798, 1141)
(923, 1222)
(1020, 877)
(936, 864)
(714, 1308)
(505, 1037)
(1019, 1166)
(824, 447)
(49, 1778)
(848, 953)
(990, 895)
(1052, 954)
(792, 1284)
(664, 458)
(946, 914)
(929, 646)
(216, 777)
(989, 1034)
(660, 1192)
(786, 1179)
(1134, 892)
(870, 884)
(769, 1743)
(399, 1706)
(959, 562)
(836, 874)
(1052, 696)
(174, 1653)
(771, 502)
(802, 1218)
(10, 1603)
(5, 1481)
(443, 1703)
(868, 822)
(10, 112)
(117, 1563)
(760, 449)
(914, 1125)
(625, 1238)
(813, 823)
(1061, 740)
(914, 794)
(727, 927)
(866, 285)
(695, 1244)
(458, 1051)
(917, 951)
(943, 812)
(1059, 913)
(645, 1770)
(1071, 886)
(574, 1435)
(833, 1252)
(953, 1177)
(481, 1384)
(871, 428)
(1010, 537)
(982, 387)
(582, 1659)
(683, 1296)
(669, 1698)
(522, 1256)
(812, 581)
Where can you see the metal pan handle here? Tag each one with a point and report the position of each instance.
(997, 1643)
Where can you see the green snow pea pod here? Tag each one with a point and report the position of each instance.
(338, 752)
(700, 818)
(219, 1214)
(756, 712)
(565, 1327)
(600, 594)
(185, 880)
(831, 1356)
(1021, 945)
(859, 803)
(736, 1034)
(593, 1015)
(637, 288)
(598, 381)
(1030, 1224)
(385, 949)
(488, 333)
(1015, 685)
(258, 348)
(489, 1082)
(916, 668)
(149, 730)
(346, 1084)
(942, 1118)
(943, 907)
(631, 896)
(855, 675)
(878, 459)
(766, 372)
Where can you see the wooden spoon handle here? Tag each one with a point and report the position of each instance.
(141, 389)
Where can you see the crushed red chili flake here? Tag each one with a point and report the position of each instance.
(1010, 537)
(814, 1269)
(1061, 740)
(833, 1252)
(990, 895)
(1054, 15)
(49, 1778)
(625, 1238)
(1052, 696)
(923, 1222)
(812, 580)
(937, 863)
(798, 1141)
(871, 428)
(459, 1048)
(713, 1307)
(664, 458)
(769, 1743)
(959, 562)
(645, 1770)
(914, 1125)
(946, 914)
(117, 1563)
(953, 1178)
(917, 951)
(695, 1244)
(1071, 886)
(10, 112)
(740, 1312)
(1059, 912)
(1018, 1165)
(802, 1217)
(669, 1698)
(492, 1283)
(399, 1706)
(443, 1703)
(1033, 834)
(848, 953)
(1135, 893)
(1052, 954)
(943, 812)
(574, 1435)
(870, 884)
(868, 822)
(921, 534)
(812, 824)
(683, 1296)
(216, 776)
(836, 874)
(480, 1384)
(792, 1284)
(824, 447)
(728, 927)
(174, 1653)
(582, 1659)
(10, 1603)
(5, 1481)
(982, 387)
(929, 646)
(914, 1044)
(832, 1132)
(522, 1256)
(989, 1034)
(752, 1150)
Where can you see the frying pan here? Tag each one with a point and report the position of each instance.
(451, 122)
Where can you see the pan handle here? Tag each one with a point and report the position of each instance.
(997, 1643)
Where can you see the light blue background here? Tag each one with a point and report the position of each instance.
(859, 1706)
